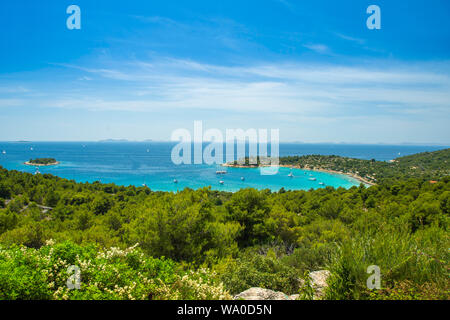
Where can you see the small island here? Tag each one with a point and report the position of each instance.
(42, 162)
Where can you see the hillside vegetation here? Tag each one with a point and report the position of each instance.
(133, 243)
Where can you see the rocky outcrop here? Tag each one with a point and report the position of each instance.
(318, 282)
(261, 294)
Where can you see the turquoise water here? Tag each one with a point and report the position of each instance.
(149, 163)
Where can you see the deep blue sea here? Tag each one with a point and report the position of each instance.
(149, 163)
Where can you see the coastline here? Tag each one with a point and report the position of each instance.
(40, 164)
(354, 176)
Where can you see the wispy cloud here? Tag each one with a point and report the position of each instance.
(285, 3)
(288, 88)
(84, 78)
(13, 89)
(319, 48)
(349, 38)
(299, 98)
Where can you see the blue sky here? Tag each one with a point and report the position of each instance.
(141, 69)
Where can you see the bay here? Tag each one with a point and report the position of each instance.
(149, 163)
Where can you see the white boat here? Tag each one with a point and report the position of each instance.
(175, 181)
(290, 175)
(3, 152)
(242, 178)
(221, 182)
(312, 179)
(221, 172)
(31, 148)
(37, 171)
(321, 183)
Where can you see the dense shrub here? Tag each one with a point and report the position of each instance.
(252, 269)
(112, 274)
(419, 259)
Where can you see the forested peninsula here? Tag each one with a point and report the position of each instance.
(426, 165)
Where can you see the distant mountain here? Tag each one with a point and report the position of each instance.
(114, 140)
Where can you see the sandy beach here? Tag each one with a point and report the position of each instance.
(359, 178)
(41, 165)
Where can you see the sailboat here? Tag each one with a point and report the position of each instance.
(37, 171)
(291, 175)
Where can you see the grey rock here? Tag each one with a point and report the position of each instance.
(261, 294)
(318, 282)
(294, 297)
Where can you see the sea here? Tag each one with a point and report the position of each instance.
(150, 164)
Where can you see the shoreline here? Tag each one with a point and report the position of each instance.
(40, 164)
(354, 176)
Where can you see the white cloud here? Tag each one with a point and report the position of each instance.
(349, 38)
(319, 48)
(284, 88)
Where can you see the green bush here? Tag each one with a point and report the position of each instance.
(420, 258)
(407, 290)
(112, 274)
(256, 270)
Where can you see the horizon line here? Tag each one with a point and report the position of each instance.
(431, 144)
